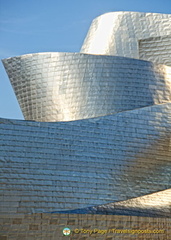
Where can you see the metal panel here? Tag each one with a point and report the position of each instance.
(71, 86)
(156, 49)
(111, 139)
(78, 164)
(118, 33)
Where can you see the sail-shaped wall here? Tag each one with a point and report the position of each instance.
(100, 128)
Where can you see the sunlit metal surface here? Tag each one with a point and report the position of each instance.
(51, 86)
(77, 164)
(156, 49)
(102, 140)
(153, 205)
(119, 33)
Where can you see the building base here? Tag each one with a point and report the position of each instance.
(43, 226)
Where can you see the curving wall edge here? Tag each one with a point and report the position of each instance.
(122, 33)
(71, 86)
(85, 163)
(109, 145)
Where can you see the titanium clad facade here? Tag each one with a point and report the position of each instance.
(119, 33)
(156, 49)
(84, 163)
(156, 204)
(51, 86)
(101, 143)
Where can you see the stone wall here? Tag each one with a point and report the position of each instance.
(50, 227)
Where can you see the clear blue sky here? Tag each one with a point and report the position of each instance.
(29, 26)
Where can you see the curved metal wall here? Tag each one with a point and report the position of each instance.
(118, 33)
(119, 147)
(71, 86)
(78, 164)
(156, 49)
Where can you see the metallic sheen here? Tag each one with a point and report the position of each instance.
(70, 86)
(101, 143)
(119, 34)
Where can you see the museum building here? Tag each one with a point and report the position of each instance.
(95, 146)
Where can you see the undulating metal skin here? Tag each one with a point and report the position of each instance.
(70, 86)
(102, 140)
(84, 163)
(119, 34)
(156, 49)
(153, 205)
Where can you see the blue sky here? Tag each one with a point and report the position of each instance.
(29, 26)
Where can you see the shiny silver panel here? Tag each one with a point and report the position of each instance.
(111, 139)
(78, 164)
(156, 49)
(118, 33)
(71, 86)
(155, 204)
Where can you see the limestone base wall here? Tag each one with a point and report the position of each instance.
(104, 227)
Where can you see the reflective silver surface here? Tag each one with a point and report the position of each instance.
(155, 204)
(109, 131)
(51, 86)
(78, 164)
(156, 49)
(119, 33)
